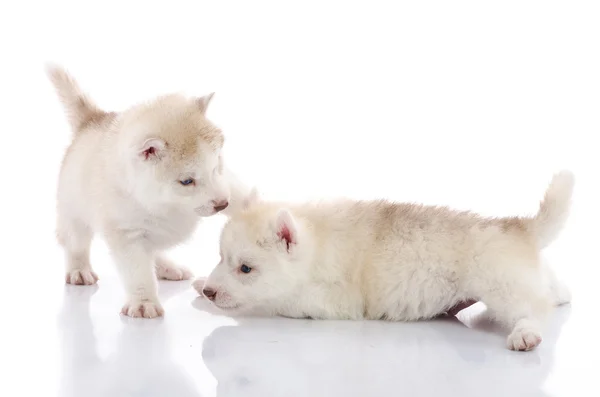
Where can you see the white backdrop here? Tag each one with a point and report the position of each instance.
(467, 103)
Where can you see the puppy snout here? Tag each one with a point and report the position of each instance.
(220, 205)
(210, 293)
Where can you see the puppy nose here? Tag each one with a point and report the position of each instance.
(220, 205)
(210, 293)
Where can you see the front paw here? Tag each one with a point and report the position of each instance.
(166, 270)
(143, 308)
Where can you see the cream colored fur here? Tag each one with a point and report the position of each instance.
(122, 176)
(380, 260)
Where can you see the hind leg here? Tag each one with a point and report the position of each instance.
(76, 238)
(167, 270)
(558, 291)
(518, 299)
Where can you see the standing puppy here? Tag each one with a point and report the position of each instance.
(141, 178)
(380, 260)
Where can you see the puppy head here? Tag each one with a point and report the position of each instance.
(264, 258)
(173, 155)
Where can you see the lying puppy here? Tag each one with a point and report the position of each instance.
(380, 260)
(141, 178)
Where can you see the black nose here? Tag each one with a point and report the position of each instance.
(210, 293)
(220, 205)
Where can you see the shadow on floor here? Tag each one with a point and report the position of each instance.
(286, 357)
(141, 364)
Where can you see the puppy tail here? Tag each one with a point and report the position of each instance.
(554, 208)
(79, 108)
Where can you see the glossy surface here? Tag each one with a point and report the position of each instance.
(81, 346)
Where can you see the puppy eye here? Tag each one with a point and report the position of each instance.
(186, 182)
(245, 269)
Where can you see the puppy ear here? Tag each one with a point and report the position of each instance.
(239, 203)
(251, 199)
(286, 229)
(152, 149)
(204, 101)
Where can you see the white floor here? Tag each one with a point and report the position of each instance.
(71, 341)
(193, 353)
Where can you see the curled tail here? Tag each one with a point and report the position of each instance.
(554, 208)
(80, 109)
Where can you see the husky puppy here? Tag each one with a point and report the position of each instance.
(400, 262)
(141, 178)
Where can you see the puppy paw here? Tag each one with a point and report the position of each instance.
(143, 308)
(524, 339)
(198, 284)
(166, 270)
(81, 277)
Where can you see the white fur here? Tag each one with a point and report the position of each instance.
(380, 260)
(121, 178)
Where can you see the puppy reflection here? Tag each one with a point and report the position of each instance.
(140, 364)
(269, 357)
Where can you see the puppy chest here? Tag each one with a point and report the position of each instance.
(165, 233)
